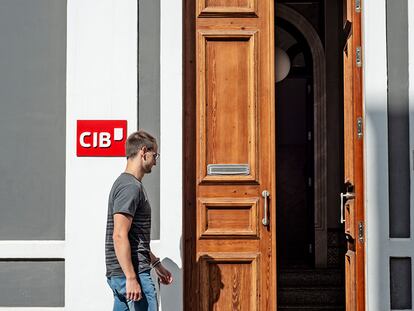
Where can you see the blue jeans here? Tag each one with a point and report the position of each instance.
(148, 302)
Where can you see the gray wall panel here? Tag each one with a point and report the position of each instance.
(400, 283)
(398, 118)
(32, 284)
(32, 119)
(149, 95)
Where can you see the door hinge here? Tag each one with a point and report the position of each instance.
(309, 135)
(358, 56)
(361, 232)
(358, 6)
(359, 128)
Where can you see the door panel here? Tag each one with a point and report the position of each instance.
(221, 217)
(353, 158)
(219, 270)
(227, 101)
(227, 7)
(234, 156)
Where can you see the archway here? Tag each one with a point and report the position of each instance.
(320, 135)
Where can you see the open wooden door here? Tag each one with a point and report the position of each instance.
(352, 198)
(230, 171)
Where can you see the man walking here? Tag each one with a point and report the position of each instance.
(127, 250)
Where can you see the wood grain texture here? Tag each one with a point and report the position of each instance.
(350, 288)
(229, 281)
(228, 218)
(359, 168)
(353, 151)
(227, 87)
(227, 8)
(228, 3)
(349, 211)
(234, 122)
(353, 157)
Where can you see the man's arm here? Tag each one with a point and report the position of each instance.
(153, 257)
(164, 275)
(122, 225)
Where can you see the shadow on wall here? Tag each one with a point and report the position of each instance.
(170, 296)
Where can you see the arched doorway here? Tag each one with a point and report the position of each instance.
(307, 48)
(230, 188)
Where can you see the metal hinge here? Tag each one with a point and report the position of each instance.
(361, 232)
(358, 6)
(358, 56)
(359, 128)
(309, 135)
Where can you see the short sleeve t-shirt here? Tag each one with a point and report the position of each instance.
(128, 196)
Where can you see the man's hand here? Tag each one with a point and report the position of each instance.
(163, 274)
(133, 289)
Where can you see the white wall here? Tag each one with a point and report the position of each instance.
(375, 97)
(102, 84)
(379, 246)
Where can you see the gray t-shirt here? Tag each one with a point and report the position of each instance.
(128, 196)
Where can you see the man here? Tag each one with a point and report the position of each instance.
(128, 255)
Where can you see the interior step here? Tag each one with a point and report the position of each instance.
(310, 277)
(311, 296)
(312, 308)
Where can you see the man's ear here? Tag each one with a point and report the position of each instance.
(144, 150)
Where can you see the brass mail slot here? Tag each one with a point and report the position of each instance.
(228, 169)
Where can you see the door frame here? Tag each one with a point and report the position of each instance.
(189, 155)
(354, 159)
(189, 152)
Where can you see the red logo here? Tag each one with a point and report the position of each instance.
(101, 138)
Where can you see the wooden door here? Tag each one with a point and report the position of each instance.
(353, 191)
(230, 248)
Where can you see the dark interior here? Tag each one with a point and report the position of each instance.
(298, 277)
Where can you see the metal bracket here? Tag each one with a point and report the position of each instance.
(358, 6)
(361, 232)
(359, 128)
(358, 56)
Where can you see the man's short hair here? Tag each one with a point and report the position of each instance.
(136, 141)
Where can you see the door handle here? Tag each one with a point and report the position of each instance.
(344, 197)
(265, 220)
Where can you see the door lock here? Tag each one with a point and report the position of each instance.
(344, 197)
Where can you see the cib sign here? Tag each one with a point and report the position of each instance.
(101, 138)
